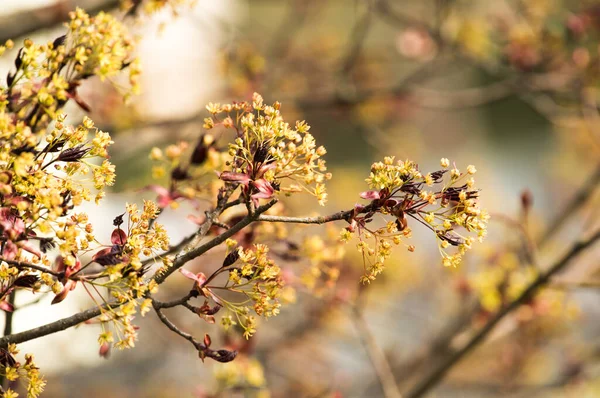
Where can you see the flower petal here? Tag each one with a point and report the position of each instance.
(370, 195)
(235, 177)
(118, 237)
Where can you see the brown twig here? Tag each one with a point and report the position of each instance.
(163, 318)
(21, 265)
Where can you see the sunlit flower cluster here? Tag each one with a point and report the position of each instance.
(48, 167)
(124, 269)
(253, 276)
(154, 6)
(268, 155)
(259, 279)
(27, 373)
(400, 192)
(47, 76)
(98, 45)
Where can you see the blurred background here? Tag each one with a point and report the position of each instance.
(509, 86)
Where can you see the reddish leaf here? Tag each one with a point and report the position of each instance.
(265, 189)
(235, 177)
(6, 306)
(118, 237)
(200, 278)
(370, 195)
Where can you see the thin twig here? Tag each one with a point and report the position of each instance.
(175, 303)
(163, 318)
(22, 264)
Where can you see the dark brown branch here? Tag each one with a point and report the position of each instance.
(357, 40)
(56, 326)
(432, 379)
(175, 303)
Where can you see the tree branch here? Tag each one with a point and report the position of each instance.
(341, 215)
(56, 326)
(21, 264)
(163, 318)
(438, 373)
(198, 251)
(376, 355)
(580, 198)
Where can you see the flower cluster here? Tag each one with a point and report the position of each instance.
(269, 156)
(323, 255)
(124, 269)
(399, 193)
(190, 169)
(48, 167)
(14, 370)
(251, 274)
(245, 372)
(154, 6)
(47, 76)
(539, 37)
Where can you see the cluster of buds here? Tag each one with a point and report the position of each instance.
(449, 210)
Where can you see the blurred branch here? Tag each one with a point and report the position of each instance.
(388, 14)
(431, 380)
(357, 40)
(580, 198)
(376, 355)
(292, 23)
(27, 22)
